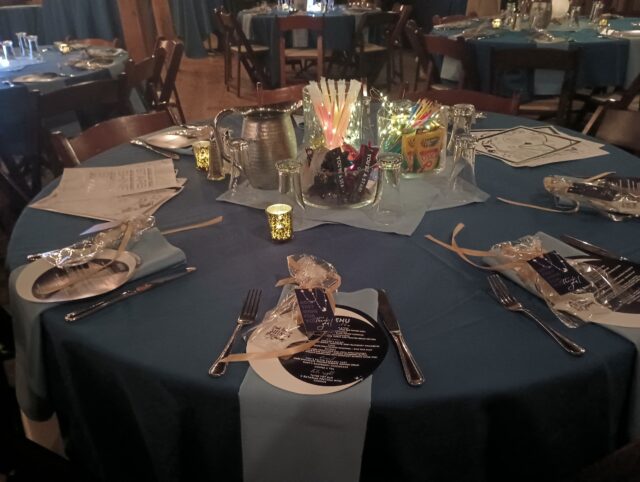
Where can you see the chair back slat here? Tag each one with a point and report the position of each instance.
(481, 101)
(566, 61)
(291, 93)
(616, 126)
(108, 134)
(438, 20)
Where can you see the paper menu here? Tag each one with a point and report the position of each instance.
(114, 193)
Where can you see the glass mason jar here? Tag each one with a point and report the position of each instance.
(423, 150)
(463, 117)
(342, 176)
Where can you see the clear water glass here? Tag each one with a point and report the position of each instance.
(463, 116)
(239, 149)
(464, 161)
(388, 204)
(289, 183)
(34, 50)
(22, 43)
(7, 50)
(596, 11)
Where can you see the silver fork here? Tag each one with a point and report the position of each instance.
(509, 302)
(247, 316)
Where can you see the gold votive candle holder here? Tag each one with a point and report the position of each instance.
(202, 153)
(496, 23)
(280, 218)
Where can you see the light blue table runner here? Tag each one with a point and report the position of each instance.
(295, 438)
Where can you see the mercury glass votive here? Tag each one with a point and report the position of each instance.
(202, 153)
(496, 23)
(280, 221)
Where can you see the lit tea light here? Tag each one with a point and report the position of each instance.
(280, 221)
(496, 23)
(202, 153)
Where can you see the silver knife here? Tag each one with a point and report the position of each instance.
(146, 145)
(590, 248)
(128, 293)
(412, 371)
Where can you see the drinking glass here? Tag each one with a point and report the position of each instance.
(289, 183)
(463, 117)
(34, 50)
(596, 10)
(7, 50)
(239, 149)
(388, 203)
(22, 43)
(464, 161)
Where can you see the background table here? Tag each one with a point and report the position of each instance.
(603, 61)
(12, 112)
(81, 19)
(424, 11)
(501, 400)
(20, 18)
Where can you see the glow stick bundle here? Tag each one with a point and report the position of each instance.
(333, 103)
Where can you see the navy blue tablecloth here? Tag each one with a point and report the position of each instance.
(54, 61)
(603, 61)
(20, 18)
(501, 400)
(81, 19)
(193, 21)
(339, 29)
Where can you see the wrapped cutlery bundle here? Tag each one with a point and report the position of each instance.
(591, 288)
(309, 343)
(608, 194)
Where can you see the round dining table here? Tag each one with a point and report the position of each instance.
(605, 61)
(15, 107)
(501, 400)
(261, 27)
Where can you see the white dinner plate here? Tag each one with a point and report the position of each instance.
(273, 371)
(42, 273)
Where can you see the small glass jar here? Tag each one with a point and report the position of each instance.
(34, 49)
(7, 50)
(463, 117)
(289, 184)
(22, 43)
(464, 162)
(388, 204)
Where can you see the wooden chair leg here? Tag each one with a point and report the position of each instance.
(238, 81)
(415, 81)
(401, 55)
(183, 120)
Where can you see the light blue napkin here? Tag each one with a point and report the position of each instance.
(31, 387)
(310, 438)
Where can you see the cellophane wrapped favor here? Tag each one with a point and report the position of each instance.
(281, 325)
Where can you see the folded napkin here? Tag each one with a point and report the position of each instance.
(315, 438)
(31, 388)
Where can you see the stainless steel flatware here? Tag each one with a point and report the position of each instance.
(512, 304)
(247, 316)
(128, 293)
(141, 143)
(590, 248)
(412, 371)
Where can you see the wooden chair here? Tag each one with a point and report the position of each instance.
(438, 20)
(103, 136)
(251, 56)
(414, 35)
(481, 101)
(616, 126)
(145, 77)
(94, 42)
(566, 61)
(370, 57)
(397, 40)
(456, 50)
(304, 55)
(166, 92)
(92, 101)
(291, 93)
(622, 99)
